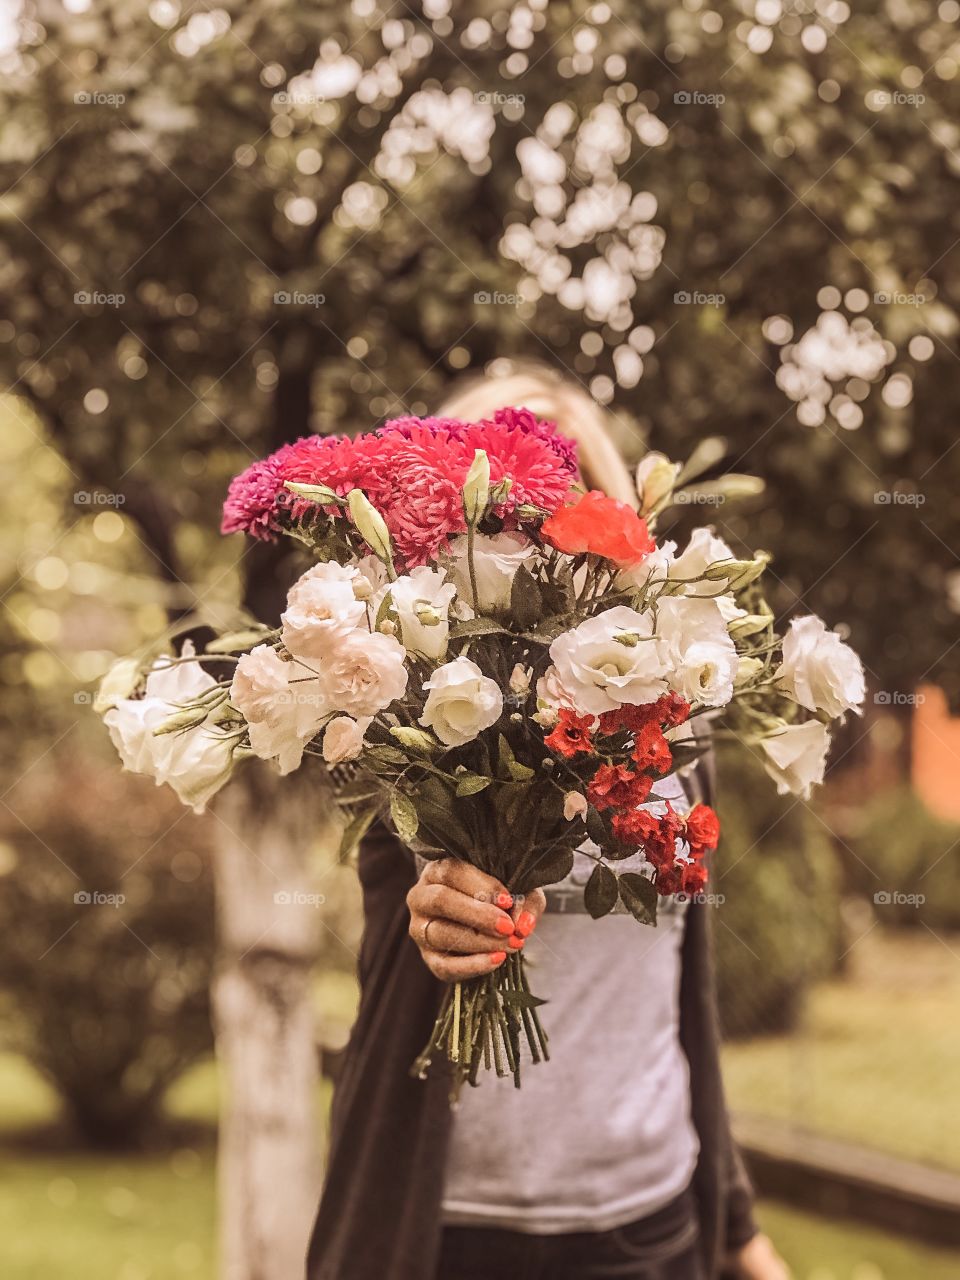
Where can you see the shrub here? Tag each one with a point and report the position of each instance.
(903, 853)
(107, 943)
(778, 929)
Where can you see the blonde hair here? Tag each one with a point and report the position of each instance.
(550, 395)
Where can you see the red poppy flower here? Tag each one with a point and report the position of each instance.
(703, 829)
(602, 526)
(571, 737)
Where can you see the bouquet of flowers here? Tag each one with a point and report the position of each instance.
(501, 665)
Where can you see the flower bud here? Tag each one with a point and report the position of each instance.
(748, 625)
(319, 493)
(747, 670)
(362, 588)
(476, 487)
(118, 684)
(387, 627)
(520, 678)
(629, 639)
(574, 805)
(189, 718)
(656, 476)
(427, 616)
(415, 739)
(501, 491)
(370, 525)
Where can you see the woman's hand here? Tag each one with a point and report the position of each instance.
(464, 921)
(759, 1260)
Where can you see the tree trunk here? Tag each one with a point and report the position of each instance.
(269, 928)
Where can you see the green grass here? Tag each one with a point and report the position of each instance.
(875, 1059)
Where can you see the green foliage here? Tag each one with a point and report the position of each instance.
(778, 927)
(107, 946)
(903, 852)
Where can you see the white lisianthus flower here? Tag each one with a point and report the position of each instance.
(696, 651)
(653, 569)
(422, 600)
(819, 671)
(196, 762)
(321, 609)
(797, 757)
(703, 550)
(117, 685)
(343, 739)
(609, 660)
(461, 702)
(496, 560)
(729, 608)
(282, 703)
(363, 674)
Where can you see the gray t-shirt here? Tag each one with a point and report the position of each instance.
(600, 1135)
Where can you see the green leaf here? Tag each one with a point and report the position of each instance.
(404, 814)
(508, 761)
(354, 832)
(235, 641)
(600, 894)
(468, 784)
(595, 828)
(710, 451)
(639, 896)
(526, 600)
(477, 627)
(552, 866)
(385, 754)
(521, 999)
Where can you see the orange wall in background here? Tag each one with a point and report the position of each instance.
(936, 754)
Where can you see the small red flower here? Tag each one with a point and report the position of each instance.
(602, 526)
(651, 749)
(703, 829)
(694, 877)
(571, 737)
(615, 786)
(635, 826)
(668, 711)
(670, 880)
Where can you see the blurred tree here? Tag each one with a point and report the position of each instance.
(106, 957)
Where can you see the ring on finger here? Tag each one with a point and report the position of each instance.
(426, 934)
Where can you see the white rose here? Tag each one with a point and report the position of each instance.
(496, 561)
(282, 704)
(696, 650)
(703, 550)
(343, 739)
(422, 601)
(195, 762)
(461, 702)
(609, 660)
(818, 670)
(797, 757)
(321, 608)
(363, 674)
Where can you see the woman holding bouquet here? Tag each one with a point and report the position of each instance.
(616, 1159)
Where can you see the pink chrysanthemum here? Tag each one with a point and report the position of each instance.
(412, 470)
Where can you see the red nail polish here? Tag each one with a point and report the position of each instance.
(516, 942)
(504, 901)
(504, 925)
(526, 923)
(497, 957)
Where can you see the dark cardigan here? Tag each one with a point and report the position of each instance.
(379, 1216)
